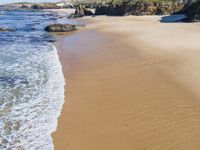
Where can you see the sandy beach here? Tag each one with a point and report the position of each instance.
(132, 83)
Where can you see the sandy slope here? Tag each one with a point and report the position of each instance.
(132, 84)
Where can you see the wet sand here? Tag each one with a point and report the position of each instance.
(132, 83)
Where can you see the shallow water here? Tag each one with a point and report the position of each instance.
(31, 82)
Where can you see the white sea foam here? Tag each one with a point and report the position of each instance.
(31, 82)
(32, 102)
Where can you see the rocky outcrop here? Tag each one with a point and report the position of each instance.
(45, 6)
(17, 6)
(3, 29)
(131, 7)
(87, 3)
(192, 12)
(24, 5)
(61, 28)
(81, 11)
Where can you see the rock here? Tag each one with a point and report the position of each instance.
(131, 7)
(101, 10)
(81, 11)
(4, 141)
(61, 28)
(3, 29)
(51, 41)
(192, 12)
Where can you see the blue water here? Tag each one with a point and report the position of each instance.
(31, 82)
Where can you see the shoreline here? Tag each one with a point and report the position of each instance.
(127, 87)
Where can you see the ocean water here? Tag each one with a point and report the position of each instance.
(31, 82)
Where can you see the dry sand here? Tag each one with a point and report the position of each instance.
(132, 83)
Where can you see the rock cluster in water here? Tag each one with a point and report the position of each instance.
(61, 28)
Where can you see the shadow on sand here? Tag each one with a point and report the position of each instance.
(172, 18)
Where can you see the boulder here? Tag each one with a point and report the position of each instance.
(81, 11)
(3, 29)
(61, 28)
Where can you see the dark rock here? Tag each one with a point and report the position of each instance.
(61, 28)
(3, 29)
(130, 7)
(192, 12)
(51, 41)
(102, 10)
(81, 11)
(71, 16)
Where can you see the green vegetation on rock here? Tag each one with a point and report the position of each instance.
(139, 7)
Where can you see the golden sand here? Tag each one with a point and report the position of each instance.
(132, 83)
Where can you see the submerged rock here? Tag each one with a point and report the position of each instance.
(12, 81)
(61, 28)
(3, 29)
